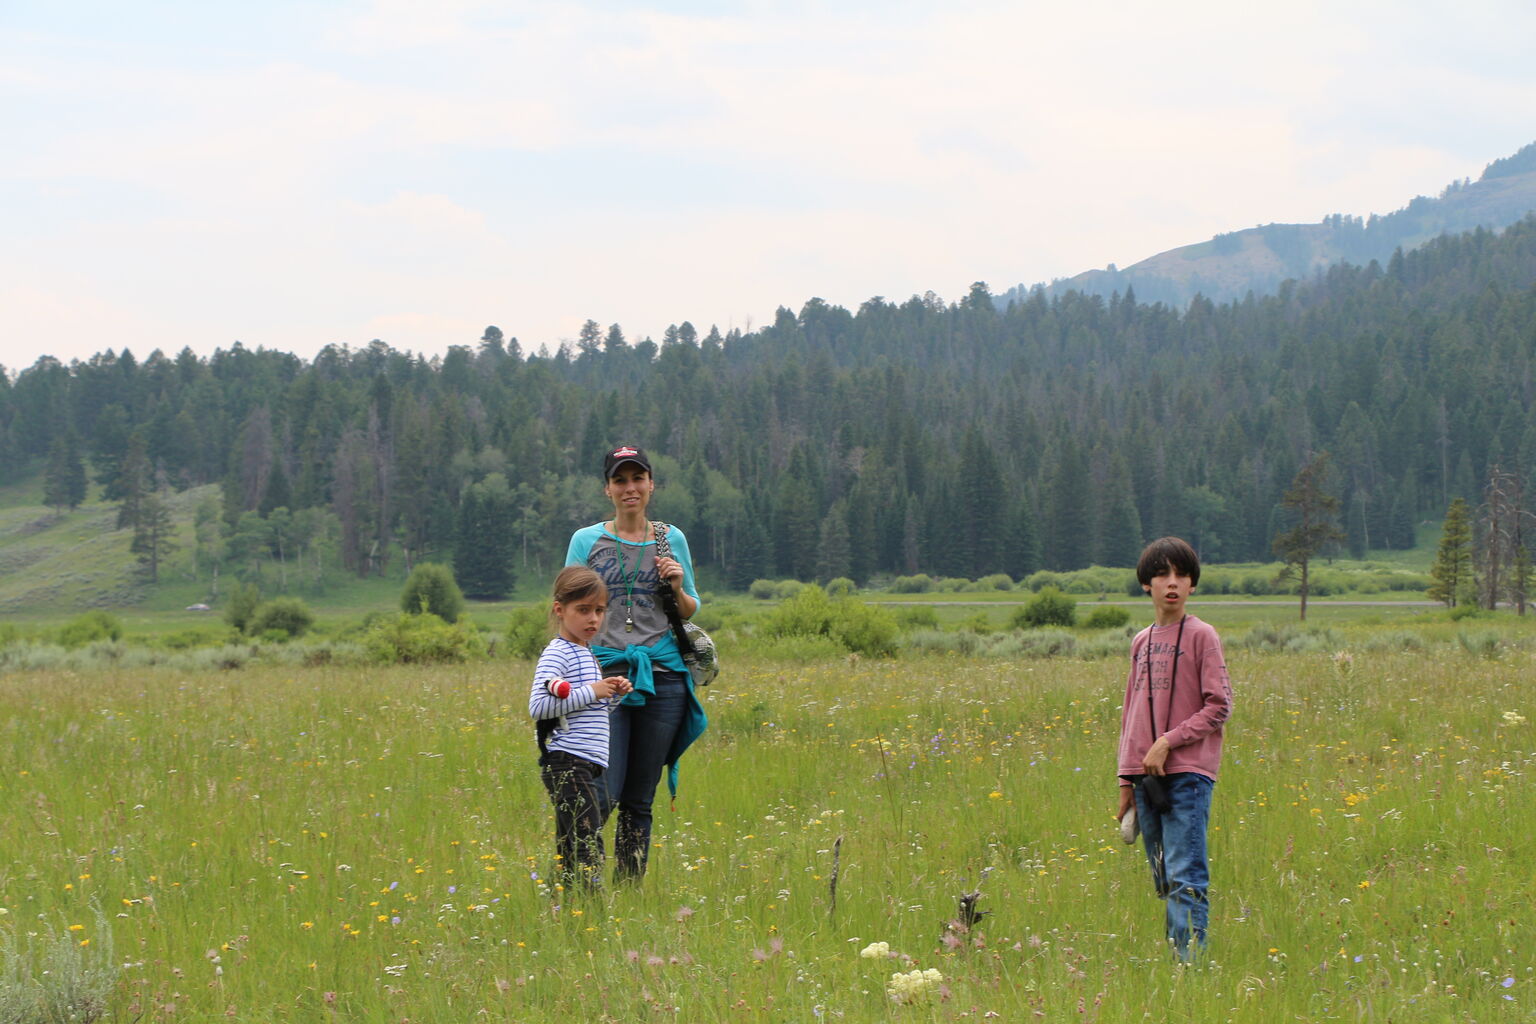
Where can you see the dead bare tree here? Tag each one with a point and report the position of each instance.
(1504, 527)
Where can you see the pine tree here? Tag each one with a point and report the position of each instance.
(133, 482)
(1452, 571)
(486, 543)
(833, 558)
(1315, 512)
(154, 535)
(64, 481)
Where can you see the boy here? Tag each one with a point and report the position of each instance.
(1176, 699)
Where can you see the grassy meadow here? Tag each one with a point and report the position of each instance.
(330, 843)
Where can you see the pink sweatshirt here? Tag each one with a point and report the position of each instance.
(1202, 700)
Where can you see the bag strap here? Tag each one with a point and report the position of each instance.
(669, 599)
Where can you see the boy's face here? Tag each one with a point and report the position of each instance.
(1169, 590)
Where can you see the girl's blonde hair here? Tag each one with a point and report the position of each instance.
(573, 583)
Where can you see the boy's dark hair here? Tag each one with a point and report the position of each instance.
(1168, 553)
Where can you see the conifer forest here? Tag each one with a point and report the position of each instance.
(956, 438)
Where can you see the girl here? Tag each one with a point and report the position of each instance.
(657, 722)
(570, 701)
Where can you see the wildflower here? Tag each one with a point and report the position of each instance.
(912, 986)
(876, 951)
(1513, 718)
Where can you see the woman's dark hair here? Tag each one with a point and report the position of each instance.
(1168, 553)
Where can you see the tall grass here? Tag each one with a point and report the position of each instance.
(349, 844)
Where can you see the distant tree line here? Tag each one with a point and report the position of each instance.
(951, 438)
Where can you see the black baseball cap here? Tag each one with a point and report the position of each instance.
(622, 454)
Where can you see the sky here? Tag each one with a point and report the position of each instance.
(292, 175)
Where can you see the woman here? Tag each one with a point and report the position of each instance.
(662, 716)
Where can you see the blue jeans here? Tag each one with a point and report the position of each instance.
(1175, 845)
(639, 738)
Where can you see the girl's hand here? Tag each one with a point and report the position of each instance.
(610, 686)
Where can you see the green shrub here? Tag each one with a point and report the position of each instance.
(88, 628)
(917, 616)
(763, 590)
(1046, 643)
(9, 635)
(528, 631)
(712, 617)
(423, 639)
(1050, 607)
(1480, 645)
(922, 583)
(1465, 611)
(1256, 584)
(1042, 578)
(980, 623)
(286, 615)
(1393, 642)
(1108, 617)
(951, 584)
(54, 976)
(842, 586)
(432, 590)
(996, 581)
(1292, 637)
(808, 613)
(187, 639)
(858, 627)
(864, 628)
(786, 589)
(242, 604)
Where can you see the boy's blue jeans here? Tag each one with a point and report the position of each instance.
(1175, 845)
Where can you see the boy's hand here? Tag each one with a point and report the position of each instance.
(1157, 754)
(1126, 802)
(610, 686)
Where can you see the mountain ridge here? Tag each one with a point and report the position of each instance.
(1260, 259)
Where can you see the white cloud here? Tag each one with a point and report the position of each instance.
(424, 171)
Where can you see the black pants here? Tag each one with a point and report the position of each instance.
(571, 782)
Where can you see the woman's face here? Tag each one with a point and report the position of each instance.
(629, 488)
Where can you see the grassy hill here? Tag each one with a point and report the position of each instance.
(75, 560)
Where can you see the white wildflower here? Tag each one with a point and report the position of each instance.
(914, 985)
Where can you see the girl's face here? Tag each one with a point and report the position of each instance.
(581, 617)
(629, 488)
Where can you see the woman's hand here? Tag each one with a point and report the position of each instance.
(671, 570)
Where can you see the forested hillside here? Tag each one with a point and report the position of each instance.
(1258, 259)
(952, 438)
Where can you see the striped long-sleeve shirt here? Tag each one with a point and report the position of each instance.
(583, 728)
